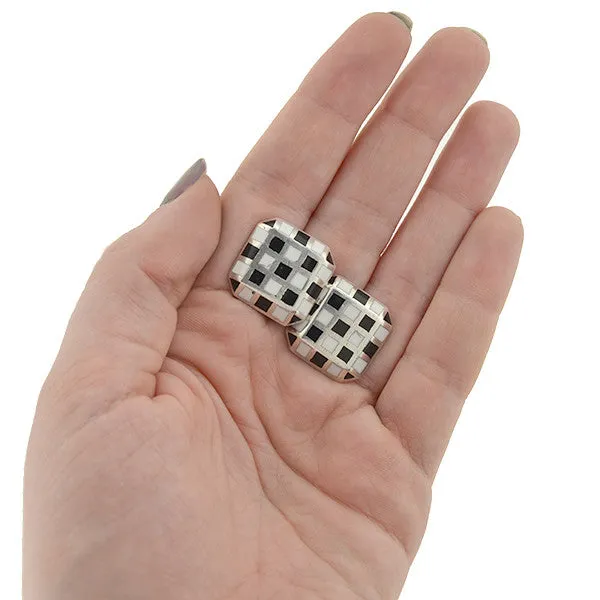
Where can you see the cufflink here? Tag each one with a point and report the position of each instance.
(288, 276)
(282, 272)
(343, 333)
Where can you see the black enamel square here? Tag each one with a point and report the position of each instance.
(370, 349)
(318, 359)
(367, 323)
(345, 354)
(270, 223)
(289, 297)
(302, 238)
(276, 244)
(309, 264)
(313, 310)
(387, 318)
(349, 376)
(234, 284)
(341, 328)
(314, 333)
(263, 304)
(314, 290)
(335, 300)
(250, 251)
(329, 258)
(283, 271)
(257, 277)
(361, 296)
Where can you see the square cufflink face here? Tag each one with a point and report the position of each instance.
(343, 334)
(281, 271)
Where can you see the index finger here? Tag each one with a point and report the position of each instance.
(287, 172)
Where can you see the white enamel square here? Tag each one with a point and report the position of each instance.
(359, 365)
(318, 246)
(286, 228)
(266, 260)
(377, 307)
(240, 268)
(329, 343)
(304, 308)
(334, 370)
(351, 312)
(324, 273)
(298, 281)
(260, 234)
(303, 349)
(324, 317)
(246, 294)
(356, 339)
(381, 333)
(293, 254)
(345, 286)
(272, 287)
(280, 314)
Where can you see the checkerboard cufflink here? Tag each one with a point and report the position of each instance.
(281, 272)
(344, 333)
(288, 276)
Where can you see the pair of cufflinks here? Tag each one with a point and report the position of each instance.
(289, 276)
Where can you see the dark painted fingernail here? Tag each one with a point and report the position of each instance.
(186, 180)
(404, 18)
(478, 35)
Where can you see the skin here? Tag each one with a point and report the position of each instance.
(180, 451)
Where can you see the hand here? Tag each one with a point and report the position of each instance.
(181, 451)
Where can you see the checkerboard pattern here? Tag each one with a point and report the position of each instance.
(344, 332)
(282, 272)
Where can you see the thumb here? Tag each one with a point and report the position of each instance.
(124, 322)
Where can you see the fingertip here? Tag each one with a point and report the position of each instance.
(404, 19)
(461, 44)
(377, 41)
(504, 218)
(501, 118)
(390, 25)
(185, 181)
(176, 240)
(493, 129)
(503, 228)
(201, 201)
(476, 33)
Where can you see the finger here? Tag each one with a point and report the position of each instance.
(124, 321)
(424, 396)
(460, 186)
(385, 166)
(289, 169)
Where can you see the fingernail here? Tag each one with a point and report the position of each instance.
(404, 18)
(478, 35)
(186, 180)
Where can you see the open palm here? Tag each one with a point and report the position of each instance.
(181, 451)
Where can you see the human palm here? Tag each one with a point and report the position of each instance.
(181, 451)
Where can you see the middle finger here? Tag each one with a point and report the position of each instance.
(382, 171)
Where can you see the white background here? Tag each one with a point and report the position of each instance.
(104, 104)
